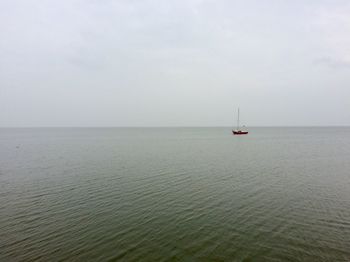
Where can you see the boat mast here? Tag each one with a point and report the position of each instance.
(238, 120)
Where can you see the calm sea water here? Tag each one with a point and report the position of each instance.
(174, 194)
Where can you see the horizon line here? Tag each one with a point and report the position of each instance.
(171, 126)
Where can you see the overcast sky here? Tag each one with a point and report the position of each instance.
(174, 63)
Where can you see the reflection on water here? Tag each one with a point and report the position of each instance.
(159, 194)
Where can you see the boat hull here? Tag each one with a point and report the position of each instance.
(239, 132)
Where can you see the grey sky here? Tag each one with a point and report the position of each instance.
(174, 63)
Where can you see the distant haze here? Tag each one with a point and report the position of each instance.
(174, 63)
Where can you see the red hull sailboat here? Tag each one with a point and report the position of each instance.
(238, 131)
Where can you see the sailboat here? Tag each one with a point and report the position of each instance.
(238, 131)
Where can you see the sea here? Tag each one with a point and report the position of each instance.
(175, 194)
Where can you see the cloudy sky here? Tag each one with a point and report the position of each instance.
(174, 63)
